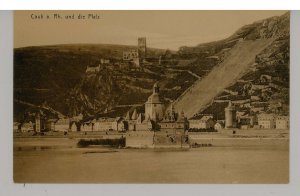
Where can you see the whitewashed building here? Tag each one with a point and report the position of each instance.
(204, 122)
(27, 126)
(73, 127)
(266, 121)
(109, 124)
(218, 126)
(62, 124)
(16, 126)
(282, 122)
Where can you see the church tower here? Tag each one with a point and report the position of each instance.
(154, 107)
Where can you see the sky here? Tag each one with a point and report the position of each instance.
(163, 29)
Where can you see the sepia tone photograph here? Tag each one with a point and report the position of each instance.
(159, 97)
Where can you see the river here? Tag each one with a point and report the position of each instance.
(64, 163)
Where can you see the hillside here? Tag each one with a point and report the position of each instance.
(240, 58)
(55, 76)
(269, 60)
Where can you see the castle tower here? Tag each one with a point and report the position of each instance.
(230, 116)
(142, 48)
(37, 122)
(154, 107)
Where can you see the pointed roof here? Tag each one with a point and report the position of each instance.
(139, 118)
(229, 104)
(134, 115)
(127, 116)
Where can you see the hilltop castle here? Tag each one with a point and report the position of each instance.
(136, 57)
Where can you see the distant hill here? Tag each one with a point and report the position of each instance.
(56, 76)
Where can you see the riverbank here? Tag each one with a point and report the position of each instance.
(139, 139)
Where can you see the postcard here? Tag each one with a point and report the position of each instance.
(176, 97)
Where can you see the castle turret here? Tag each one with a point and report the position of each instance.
(37, 122)
(230, 116)
(134, 115)
(127, 117)
(154, 107)
(155, 88)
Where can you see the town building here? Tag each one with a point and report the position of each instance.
(219, 126)
(244, 126)
(137, 122)
(109, 124)
(27, 126)
(247, 120)
(50, 124)
(282, 122)
(62, 124)
(16, 126)
(88, 125)
(74, 127)
(104, 124)
(244, 118)
(266, 121)
(201, 122)
(173, 122)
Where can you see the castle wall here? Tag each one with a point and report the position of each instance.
(140, 139)
(173, 139)
(142, 127)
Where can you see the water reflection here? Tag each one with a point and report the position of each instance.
(40, 148)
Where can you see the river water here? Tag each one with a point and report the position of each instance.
(68, 164)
